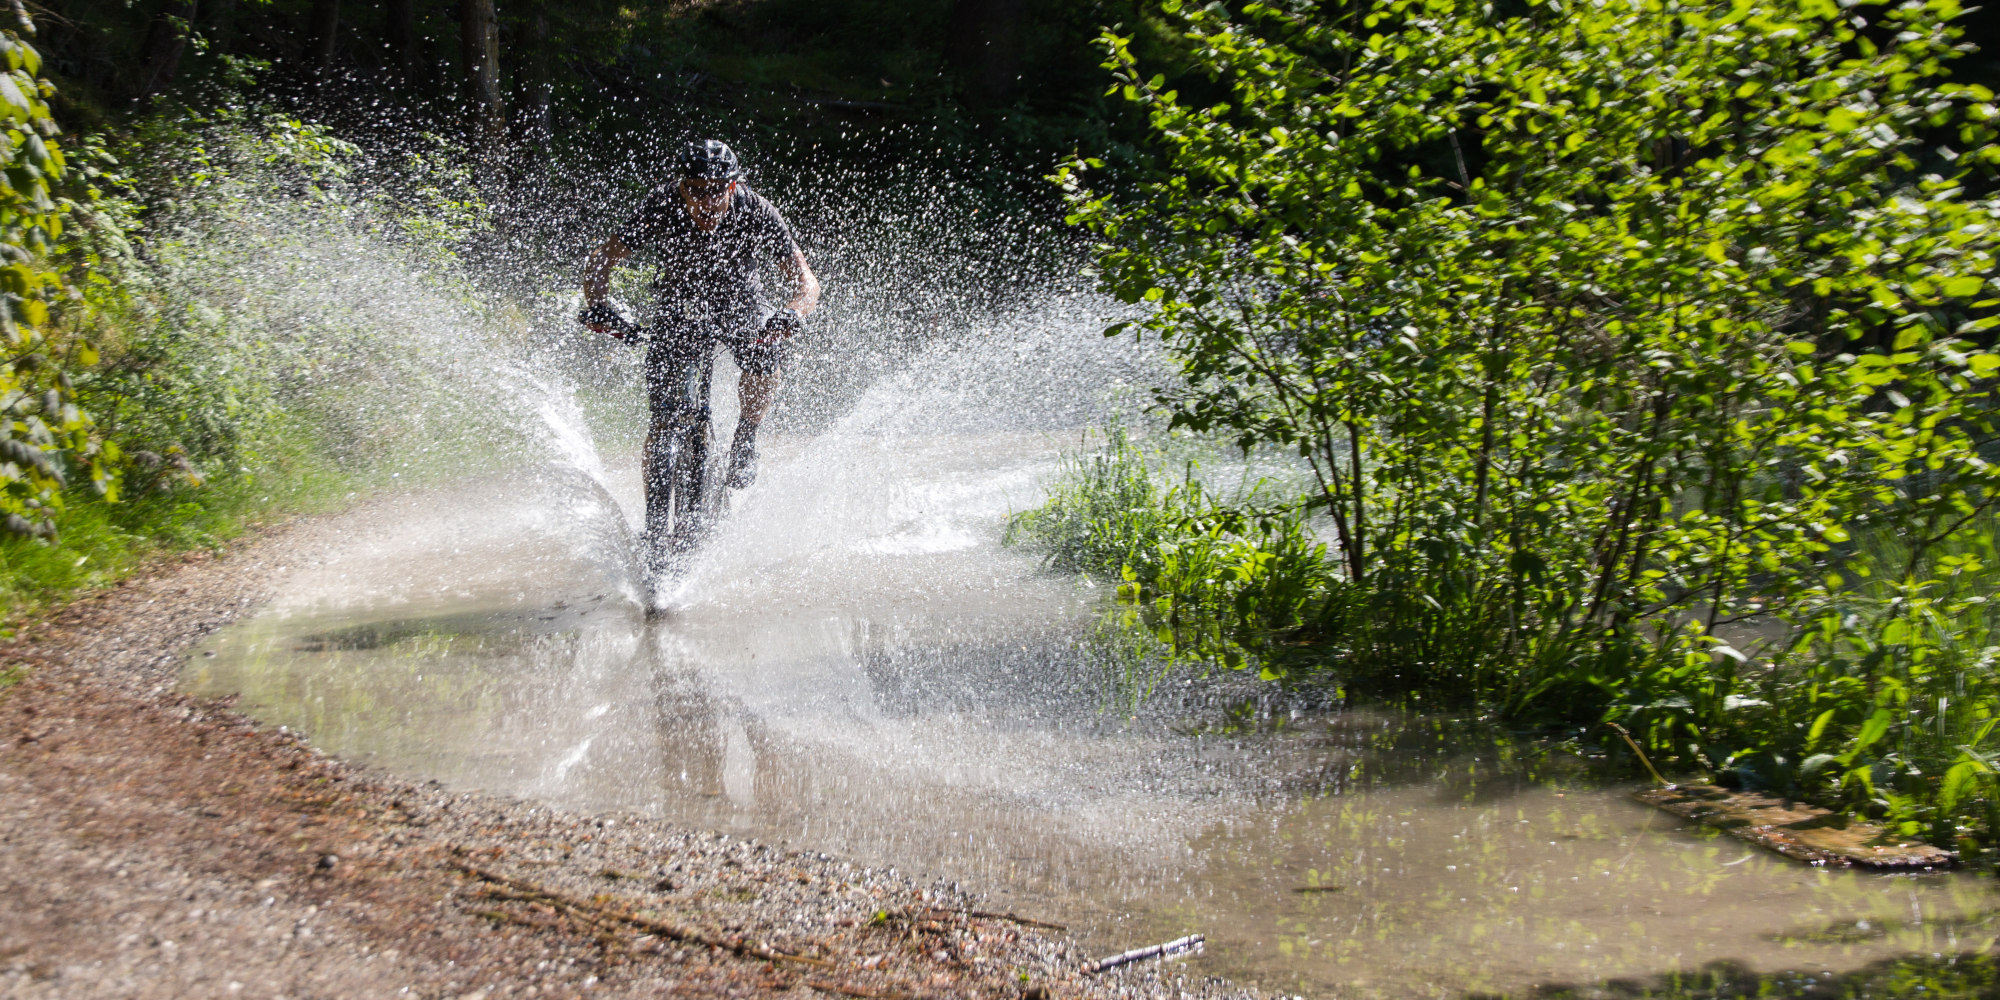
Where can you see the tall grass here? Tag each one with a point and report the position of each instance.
(1105, 510)
(1203, 574)
(1881, 698)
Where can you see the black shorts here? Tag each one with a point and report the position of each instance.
(674, 355)
(757, 355)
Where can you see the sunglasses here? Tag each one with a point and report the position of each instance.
(706, 190)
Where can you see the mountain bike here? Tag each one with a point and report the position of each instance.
(681, 469)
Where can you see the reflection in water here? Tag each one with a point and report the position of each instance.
(691, 741)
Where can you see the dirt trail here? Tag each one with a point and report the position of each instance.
(157, 845)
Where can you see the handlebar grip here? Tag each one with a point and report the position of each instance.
(607, 315)
(784, 322)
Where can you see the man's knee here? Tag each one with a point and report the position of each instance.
(758, 358)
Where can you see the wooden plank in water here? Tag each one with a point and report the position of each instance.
(1796, 830)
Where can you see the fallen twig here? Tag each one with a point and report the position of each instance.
(852, 991)
(1175, 946)
(503, 917)
(1641, 754)
(530, 892)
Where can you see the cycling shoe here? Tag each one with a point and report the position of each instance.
(742, 463)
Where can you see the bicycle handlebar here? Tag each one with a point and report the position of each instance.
(615, 321)
(609, 316)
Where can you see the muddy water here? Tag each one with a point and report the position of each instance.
(858, 667)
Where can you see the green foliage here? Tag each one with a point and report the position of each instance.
(1104, 511)
(278, 292)
(1886, 698)
(1202, 579)
(46, 439)
(1603, 328)
(276, 338)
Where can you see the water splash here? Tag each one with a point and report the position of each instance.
(929, 460)
(569, 435)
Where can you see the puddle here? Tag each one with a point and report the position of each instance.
(858, 667)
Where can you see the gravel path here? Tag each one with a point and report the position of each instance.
(158, 845)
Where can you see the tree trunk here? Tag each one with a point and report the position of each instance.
(537, 82)
(322, 32)
(166, 39)
(400, 32)
(983, 47)
(479, 40)
(218, 20)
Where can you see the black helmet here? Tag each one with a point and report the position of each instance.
(709, 160)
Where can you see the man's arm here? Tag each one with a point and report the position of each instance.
(800, 274)
(597, 270)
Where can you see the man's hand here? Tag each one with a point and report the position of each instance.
(782, 324)
(603, 317)
(789, 320)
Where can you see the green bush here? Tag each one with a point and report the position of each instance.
(1207, 580)
(1605, 330)
(274, 338)
(47, 441)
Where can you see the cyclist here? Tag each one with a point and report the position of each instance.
(709, 232)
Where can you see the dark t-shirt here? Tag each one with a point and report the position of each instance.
(708, 275)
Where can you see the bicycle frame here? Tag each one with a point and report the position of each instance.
(679, 509)
(682, 498)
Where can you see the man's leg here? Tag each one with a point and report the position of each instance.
(667, 362)
(656, 518)
(757, 389)
(762, 365)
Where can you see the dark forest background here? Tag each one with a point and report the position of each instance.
(1016, 79)
(565, 108)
